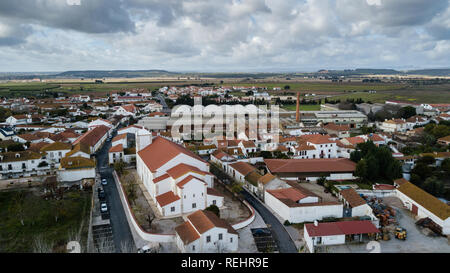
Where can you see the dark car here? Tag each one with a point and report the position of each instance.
(101, 194)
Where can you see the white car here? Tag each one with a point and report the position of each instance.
(103, 207)
(104, 182)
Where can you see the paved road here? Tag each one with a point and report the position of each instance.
(121, 230)
(281, 236)
(166, 108)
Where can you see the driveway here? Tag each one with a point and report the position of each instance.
(121, 230)
(281, 236)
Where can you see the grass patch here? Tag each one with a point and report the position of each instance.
(303, 107)
(39, 220)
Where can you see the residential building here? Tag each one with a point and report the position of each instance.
(204, 232)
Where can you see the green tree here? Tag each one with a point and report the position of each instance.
(355, 156)
(445, 166)
(361, 169)
(422, 170)
(433, 186)
(428, 160)
(406, 112)
(214, 209)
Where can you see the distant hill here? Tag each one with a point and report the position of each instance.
(431, 72)
(370, 71)
(95, 74)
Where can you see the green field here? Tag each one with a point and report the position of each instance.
(305, 107)
(39, 220)
(436, 93)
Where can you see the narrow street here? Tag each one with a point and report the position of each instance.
(281, 236)
(121, 230)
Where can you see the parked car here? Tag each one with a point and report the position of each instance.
(104, 182)
(101, 194)
(103, 207)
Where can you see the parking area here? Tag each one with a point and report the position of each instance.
(417, 241)
(264, 240)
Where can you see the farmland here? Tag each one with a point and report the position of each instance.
(434, 93)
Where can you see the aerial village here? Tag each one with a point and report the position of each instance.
(335, 179)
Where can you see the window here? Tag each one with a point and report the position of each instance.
(172, 209)
(193, 195)
(214, 202)
(193, 247)
(220, 236)
(194, 205)
(231, 239)
(185, 196)
(208, 239)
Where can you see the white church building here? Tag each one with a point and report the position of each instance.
(176, 179)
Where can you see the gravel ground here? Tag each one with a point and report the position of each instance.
(246, 241)
(416, 241)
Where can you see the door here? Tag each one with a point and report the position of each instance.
(414, 209)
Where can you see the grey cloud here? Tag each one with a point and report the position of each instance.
(92, 16)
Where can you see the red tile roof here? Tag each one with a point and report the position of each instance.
(161, 178)
(116, 149)
(341, 228)
(352, 197)
(166, 198)
(188, 179)
(187, 233)
(310, 165)
(289, 193)
(182, 169)
(243, 168)
(204, 220)
(165, 151)
(93, 136)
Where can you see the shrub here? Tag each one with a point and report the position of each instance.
(214, 209)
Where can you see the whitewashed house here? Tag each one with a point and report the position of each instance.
(204, 232)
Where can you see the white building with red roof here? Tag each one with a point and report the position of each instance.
(125, 110)
(336, 233)
(205, 232)
(176, 179)
(296, 204)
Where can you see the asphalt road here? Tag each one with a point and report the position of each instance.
(119, 223)
(281, 236)
(166, 108)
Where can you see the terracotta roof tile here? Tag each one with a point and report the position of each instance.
(165, 151)
(167, 198)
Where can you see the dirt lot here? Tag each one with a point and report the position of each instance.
(233, 211)
(416, 242)
(142, 210)
(317, 189)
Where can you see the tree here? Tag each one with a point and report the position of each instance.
(361, 169)
(445, 166)
(40, 245)
(18, 206)
(119, 167)
(355, 156)
(236, 188)
(433, 186)
(406, 112)
(59, 209)
(214, 209)
(422, 170)
(428, 160)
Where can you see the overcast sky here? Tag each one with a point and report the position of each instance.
(223, 35)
